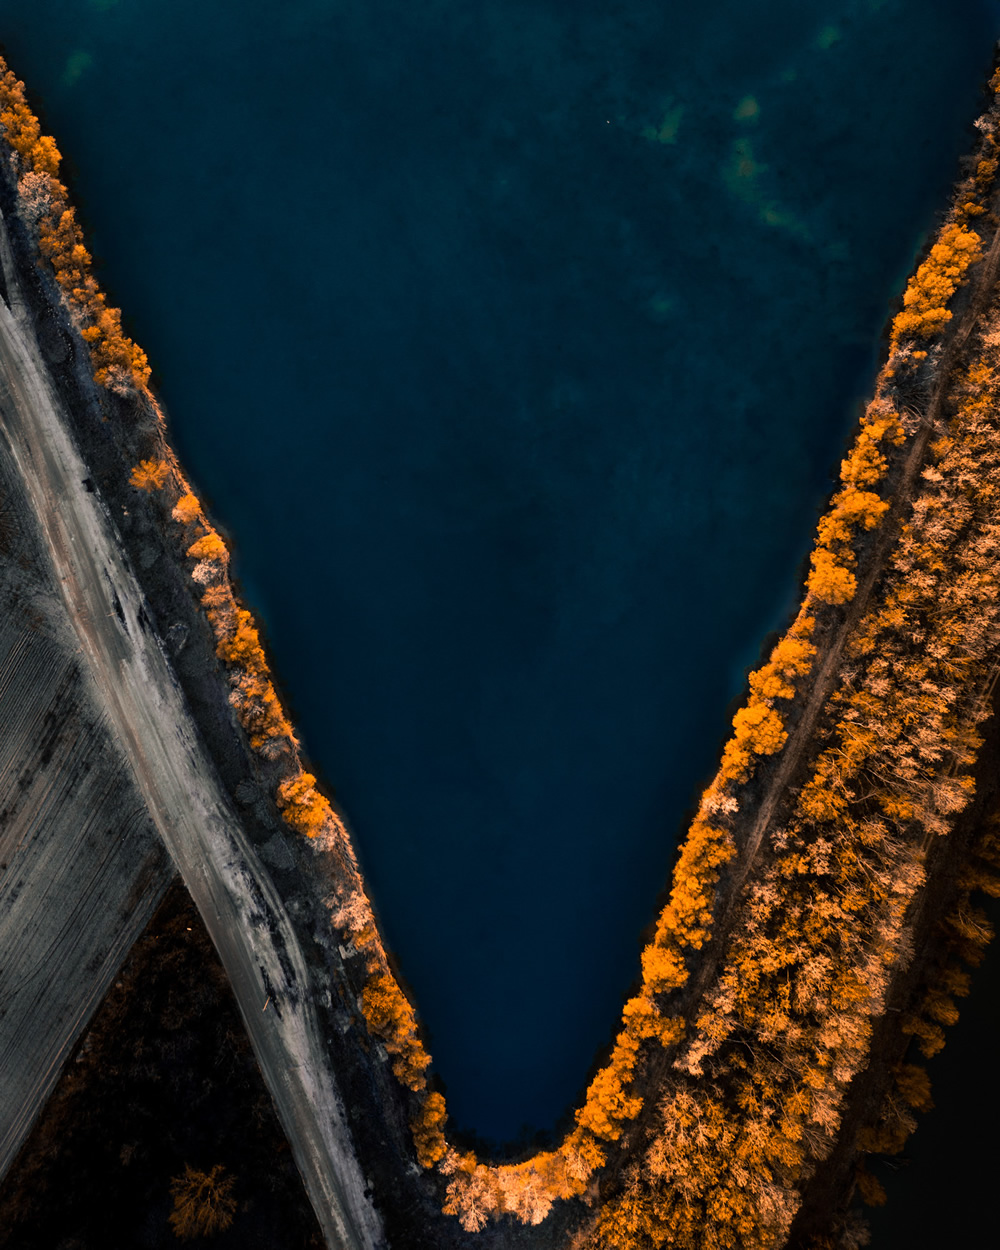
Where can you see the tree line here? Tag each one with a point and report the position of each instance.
(757, 1088)
(119, 364)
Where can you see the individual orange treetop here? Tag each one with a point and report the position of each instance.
(866, 463)
(850, 509)
(204, 1202)
(209, 547)
(608, 1106)
(150, 475)
(829, 580)
(243, 648)
(757, 730)
(187, 509)
(301, 804)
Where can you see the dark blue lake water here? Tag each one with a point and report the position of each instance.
(515, 344)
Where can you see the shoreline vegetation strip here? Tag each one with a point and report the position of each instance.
(756, 1079)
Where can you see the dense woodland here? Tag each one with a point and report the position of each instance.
(792, 901)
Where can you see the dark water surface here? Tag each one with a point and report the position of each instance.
(515, 344)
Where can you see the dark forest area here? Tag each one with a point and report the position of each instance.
(163, 1079)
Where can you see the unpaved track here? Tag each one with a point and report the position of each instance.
(146, 709)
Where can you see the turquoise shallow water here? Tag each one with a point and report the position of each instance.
(515, 345)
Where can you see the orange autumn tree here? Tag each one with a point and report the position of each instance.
(210, 547)
(301, 804)
(187, 509)
(203, 1202)
(150, 475)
